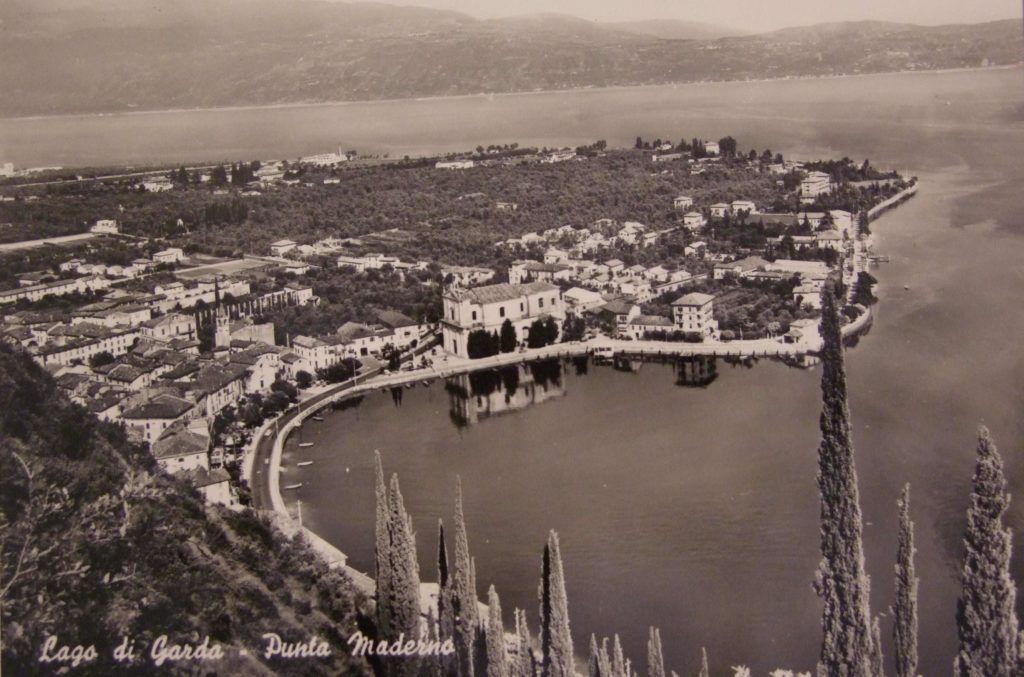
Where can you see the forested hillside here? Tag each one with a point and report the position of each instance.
(98, 545)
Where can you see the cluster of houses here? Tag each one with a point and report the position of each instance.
(579, 242)
(153, 378)
(548, 157)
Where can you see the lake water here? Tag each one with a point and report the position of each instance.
(691, 509)
(696, 510)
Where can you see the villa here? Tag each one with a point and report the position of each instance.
(486, 308)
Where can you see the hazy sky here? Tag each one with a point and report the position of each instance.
(746, 14)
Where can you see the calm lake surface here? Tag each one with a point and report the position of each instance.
(694, 510)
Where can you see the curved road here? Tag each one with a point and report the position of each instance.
(259, 483)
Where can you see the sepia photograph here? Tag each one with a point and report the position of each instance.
(547, 338)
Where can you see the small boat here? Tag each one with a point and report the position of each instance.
(410, 385)
(293, 486)
(426, 383)
(305, 444)
(303, 464)
(317, 417)
(906, 286)
(268, 433)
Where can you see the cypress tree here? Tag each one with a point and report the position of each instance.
(986, 621)
(655, 659)
(604, 662)
(497, 656)
(434, 666)
(525, 664)
(464, 601)
(445, 613)
(405, 592)
(618, 661)
(841, 581)
(594, 659)
(877, 661)
(704, 672)
(382, 551)
(556, 639)
(904, 609)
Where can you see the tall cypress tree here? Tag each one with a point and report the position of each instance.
(382, 551)
(594, 659)
(525, 664)
(464, 601)
(904, 610)
(877, 660)
(405, 593)
(445, 613)
(556, 639)
(986, 621)
(604, 662)
(655, 658)
(841, 581)
(497, 656)
(704, 672)
(618, 660)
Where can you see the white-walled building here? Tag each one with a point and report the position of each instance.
(693, 313)
(815, 184)
(169, 255)
(579, 300)
(105, 227)
(693, 220)
(282, 247)
(487, 308)
(166, 328)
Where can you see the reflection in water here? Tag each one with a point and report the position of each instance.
(482, 394)
(697, 371)
(396, 395)
(624, 363)
(348, 403)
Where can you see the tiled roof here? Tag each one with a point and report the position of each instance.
(201, 477)
(181, 442)
(217, 377)
(395, 319)
(618, 307)
(496, 293)
(693, 299)
(161, 406)
(350, 331)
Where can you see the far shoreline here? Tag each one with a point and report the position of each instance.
(481, 95)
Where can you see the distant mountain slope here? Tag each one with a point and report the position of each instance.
(62, 56)
(669, 29)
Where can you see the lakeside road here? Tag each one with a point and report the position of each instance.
(263, 446)
(31, 244)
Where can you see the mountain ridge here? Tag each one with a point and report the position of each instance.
(81, 56)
